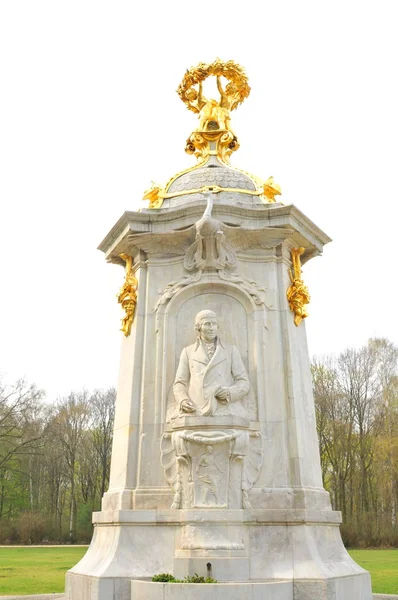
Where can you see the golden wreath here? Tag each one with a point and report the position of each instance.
(230, 70)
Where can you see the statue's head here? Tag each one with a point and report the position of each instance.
(206, 323)
(129, 304)
(191, 94)
(231, 89)
(209, 449)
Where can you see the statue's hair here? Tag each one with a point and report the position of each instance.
(204, 314)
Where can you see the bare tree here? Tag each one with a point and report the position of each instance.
(103, 405)
(356, 398)
(21, 429)
(72, 421)
(335, 429)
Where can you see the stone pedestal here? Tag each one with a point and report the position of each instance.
(236, 484)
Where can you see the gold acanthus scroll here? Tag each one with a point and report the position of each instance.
(127, 296)
(297, 294)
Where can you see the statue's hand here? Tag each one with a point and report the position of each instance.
(223, 395)
(187, 406)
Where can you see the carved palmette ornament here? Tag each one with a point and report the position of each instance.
(211, 469)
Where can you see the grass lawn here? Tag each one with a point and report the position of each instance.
(383, 567)
(42, 570)
(36, 570)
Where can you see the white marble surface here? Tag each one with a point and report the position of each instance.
(219, 591)
(290, 537)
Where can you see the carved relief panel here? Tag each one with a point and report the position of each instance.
(210, 454)
(229, 367)
(211, 469)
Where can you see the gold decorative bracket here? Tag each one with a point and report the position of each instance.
(127, 296)
(297, 293)
(204, 144)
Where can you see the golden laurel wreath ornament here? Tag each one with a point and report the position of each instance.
(213, 114)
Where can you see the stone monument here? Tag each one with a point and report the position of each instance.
(215, 463)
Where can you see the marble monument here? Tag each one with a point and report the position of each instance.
(215, 462)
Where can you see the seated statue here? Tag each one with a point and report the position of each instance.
(211, 378)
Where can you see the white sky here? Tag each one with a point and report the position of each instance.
(89, 116)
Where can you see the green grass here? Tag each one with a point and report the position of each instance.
(383, 567)
(36, 570)
(42, 570)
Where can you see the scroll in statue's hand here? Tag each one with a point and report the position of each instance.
(187, 406)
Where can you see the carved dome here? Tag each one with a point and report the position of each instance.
(212, 174)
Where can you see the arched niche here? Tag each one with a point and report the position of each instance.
(242, 323)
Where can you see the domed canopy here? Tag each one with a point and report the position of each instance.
(212, 143)
(234, 185)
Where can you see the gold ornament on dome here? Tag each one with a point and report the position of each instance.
(297, 294)
(127, 296)
(155, 194)
(214, 114)
(214, 136)
(271, 189)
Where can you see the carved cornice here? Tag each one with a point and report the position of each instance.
(304, 232)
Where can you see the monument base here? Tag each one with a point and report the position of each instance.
(349, 588)
(278, 554)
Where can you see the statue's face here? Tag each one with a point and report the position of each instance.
(208, 329)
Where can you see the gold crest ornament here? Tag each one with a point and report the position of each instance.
(297, 294)
(127, 296)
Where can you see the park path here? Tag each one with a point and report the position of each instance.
(62, 597)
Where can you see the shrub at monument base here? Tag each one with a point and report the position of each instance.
(169, 578)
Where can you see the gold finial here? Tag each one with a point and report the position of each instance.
(127, 296)
(214, 134)
(297, 294)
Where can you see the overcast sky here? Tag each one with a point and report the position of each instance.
(89, 117)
